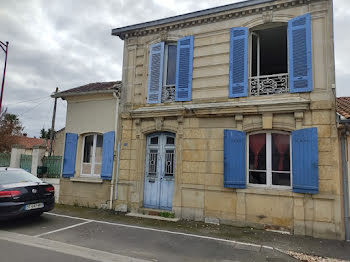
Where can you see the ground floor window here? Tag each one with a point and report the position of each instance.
(269, 159)
(92, 155)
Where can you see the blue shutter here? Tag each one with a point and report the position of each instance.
(107, 155)
(305, 161)
(184, 67)
(70, 153)
(300, 59)
(238, 81)
(234, 159)
(155, 73)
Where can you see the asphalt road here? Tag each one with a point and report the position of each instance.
(62, 238)
(13, 252)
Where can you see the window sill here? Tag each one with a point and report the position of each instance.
(267, 191)
(92, 180)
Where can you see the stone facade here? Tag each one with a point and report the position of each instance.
(199, 193)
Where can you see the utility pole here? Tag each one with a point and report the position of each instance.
(4, 47)
(53, 123)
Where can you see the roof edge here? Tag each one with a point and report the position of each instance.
(62, 94)
(121, 30)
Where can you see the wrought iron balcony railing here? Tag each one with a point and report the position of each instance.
(168, 94)
(268, 84)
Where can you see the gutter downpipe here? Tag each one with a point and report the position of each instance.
(345, 177)
(116, 146)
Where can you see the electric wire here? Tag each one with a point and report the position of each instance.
(25, 101)
(30, 109)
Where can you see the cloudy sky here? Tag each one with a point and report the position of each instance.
(67, 43)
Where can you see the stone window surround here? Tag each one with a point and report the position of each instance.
(167, 38)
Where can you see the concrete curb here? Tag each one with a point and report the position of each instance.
(153, 217)
(68, 249)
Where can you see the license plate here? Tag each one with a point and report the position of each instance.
(34, 206)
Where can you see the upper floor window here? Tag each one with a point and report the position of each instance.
(170, 71)
(92, 155)
(280, 59)
(269, 66)
(169, 77)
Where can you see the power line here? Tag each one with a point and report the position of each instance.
(27, 101)
(30, 109)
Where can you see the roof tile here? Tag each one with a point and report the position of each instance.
(343, 106)
(92, 87)
(29, 142)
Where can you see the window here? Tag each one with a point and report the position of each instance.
(279, 57)
(269, 159)
(170, 71)
(269, 51)
(92, 155)
(269, 66)
(169, 78)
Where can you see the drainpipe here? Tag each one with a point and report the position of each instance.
(116, 145)
(117, 173)
(343, 139)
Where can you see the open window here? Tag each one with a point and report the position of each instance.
(269, 60)
(169, 71)
(92, 155)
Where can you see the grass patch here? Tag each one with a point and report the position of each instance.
(167, 214)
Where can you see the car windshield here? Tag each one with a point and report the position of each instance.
(16, 176)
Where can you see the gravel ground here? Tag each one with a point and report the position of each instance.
(308, 258)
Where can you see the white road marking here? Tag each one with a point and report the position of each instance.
(254, 247)
(84, 252)
(64, 228)
(59, 215)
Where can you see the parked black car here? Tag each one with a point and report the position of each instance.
(21, 194)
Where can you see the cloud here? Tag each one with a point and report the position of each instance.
(68, 43)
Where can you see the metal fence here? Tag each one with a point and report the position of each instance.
(53, 165)
(5, 159)
(26, 163)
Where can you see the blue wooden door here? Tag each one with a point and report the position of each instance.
(159, 171)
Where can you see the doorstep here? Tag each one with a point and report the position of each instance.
(153, 217)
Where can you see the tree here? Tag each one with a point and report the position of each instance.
(10, 126)
(43, 133)
(46, 134)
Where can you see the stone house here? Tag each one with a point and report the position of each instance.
(89, 151)
(228, 115)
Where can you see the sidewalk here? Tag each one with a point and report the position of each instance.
(306, 245)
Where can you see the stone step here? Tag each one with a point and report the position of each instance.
(153, 217)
